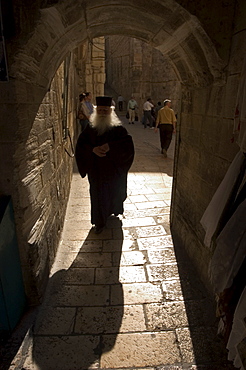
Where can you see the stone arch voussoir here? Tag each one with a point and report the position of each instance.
(166, 26)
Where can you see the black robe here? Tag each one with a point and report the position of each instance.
(107, 175)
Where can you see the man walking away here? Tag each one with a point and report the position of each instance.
(166, 122)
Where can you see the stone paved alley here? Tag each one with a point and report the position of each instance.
(125, 299)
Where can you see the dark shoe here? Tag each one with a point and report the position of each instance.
(132, 123)
(99, 229)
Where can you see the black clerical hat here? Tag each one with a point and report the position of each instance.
(105, 101)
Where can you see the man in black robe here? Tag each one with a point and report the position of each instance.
(105, 152)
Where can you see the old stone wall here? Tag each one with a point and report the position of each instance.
(42, 174)
(205, 150)
(90, 65)
(203, 155)
(38, 170)
(136, 68)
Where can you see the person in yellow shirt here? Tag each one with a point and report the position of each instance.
(166, 123)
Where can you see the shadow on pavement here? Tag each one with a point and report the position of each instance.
(81, 314)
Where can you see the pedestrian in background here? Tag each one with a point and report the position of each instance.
(166, 123)
(132, 108)
(120, 101)
(83, 112)
(147, 107)
(157, 108)
(88, 99)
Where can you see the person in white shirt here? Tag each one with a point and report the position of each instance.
(147, 106)
(131, 108)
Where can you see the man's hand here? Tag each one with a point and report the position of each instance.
(105, 147)
(101, 151)
(156, 129)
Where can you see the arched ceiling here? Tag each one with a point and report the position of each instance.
(164, 24)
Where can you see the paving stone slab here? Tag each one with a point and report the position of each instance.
(63, 262)
(117, 319)
(55, 321)
(148, 231)
(155, 242)
(76, 246)
(106, 275)
(166, 255)
(141, 221)
(147, 212)
(141, 190)
(78, 276)
(130, 207)
(159, 196)
(63, 353)
(124, 274)
(168, 202)
(141, 349)
(94, 259)
(78, 218)
(181, 288)
(132, 274)
(118, 245)
(79, 208)
(137, 198)
(125, 234)
(162, 272)
(105, 234)
(77, 235)
(172, 290)
(73, 295)
(165, 316)
(132, 258)
(156, 204)
(91, 246)
(137, 293)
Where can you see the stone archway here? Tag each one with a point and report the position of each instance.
(60, 26)
(168, 27)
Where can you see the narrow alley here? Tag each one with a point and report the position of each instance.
(126, 298)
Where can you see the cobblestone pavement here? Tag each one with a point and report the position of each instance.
(126, 298)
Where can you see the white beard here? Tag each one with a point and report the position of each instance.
(104, 123)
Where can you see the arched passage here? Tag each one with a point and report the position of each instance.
(168, 27)
(59, 27)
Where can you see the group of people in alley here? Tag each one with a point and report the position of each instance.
(156, 117)
(105, 150)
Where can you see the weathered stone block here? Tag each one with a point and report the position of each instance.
(130, 350)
